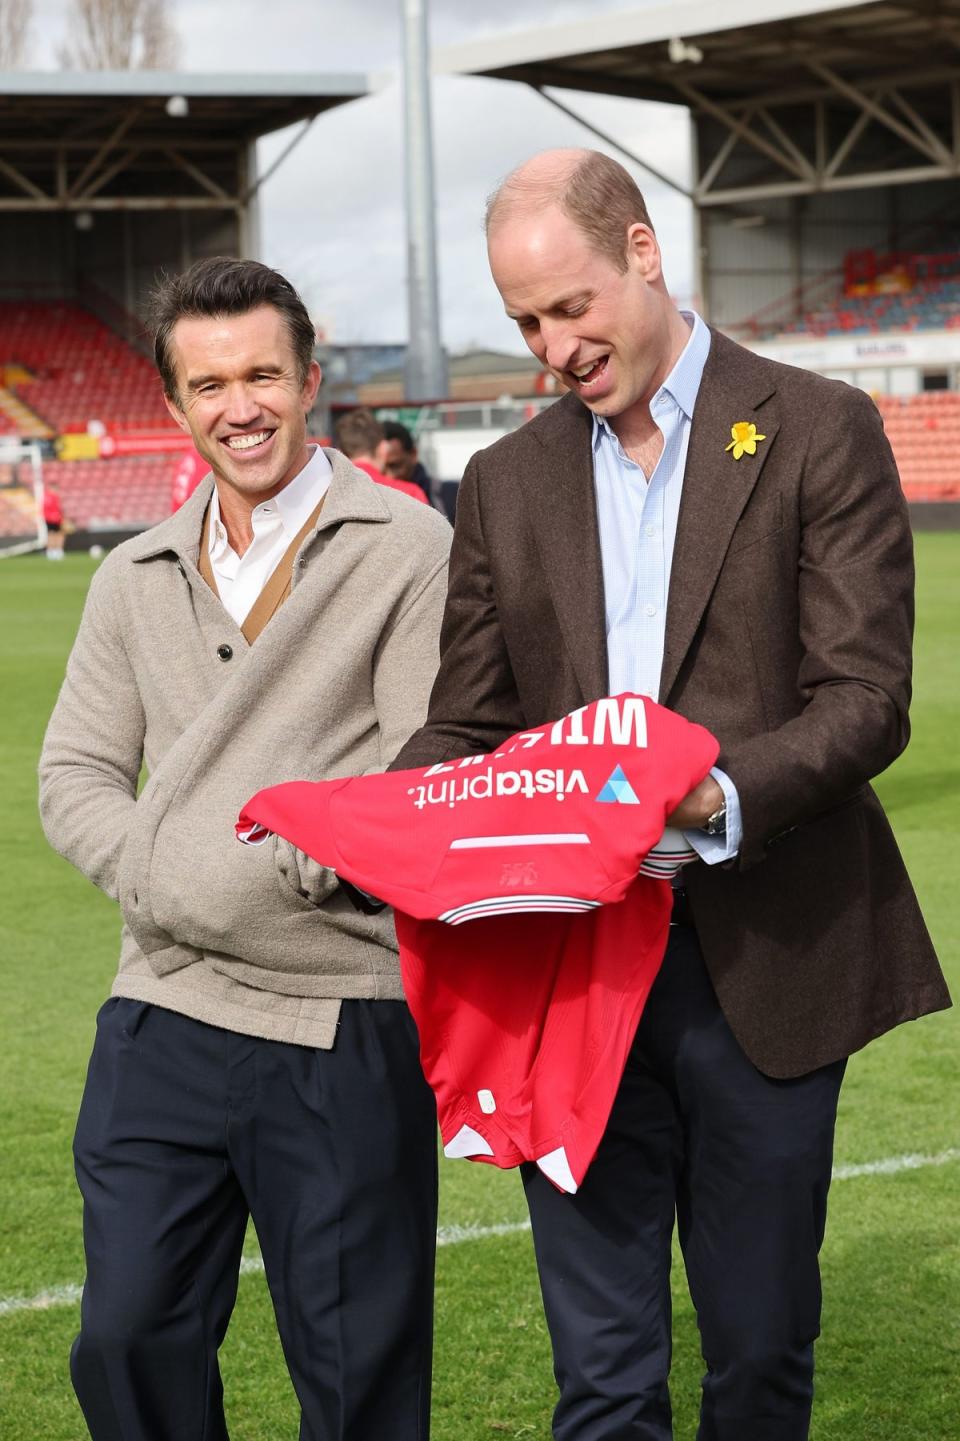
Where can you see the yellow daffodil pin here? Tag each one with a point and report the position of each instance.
(745, 439)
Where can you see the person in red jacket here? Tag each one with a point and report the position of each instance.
(402, 461)
(53, 519)
(190, 470)
(360, 436)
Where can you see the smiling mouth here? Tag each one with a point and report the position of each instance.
(252, 441)
(586, 376)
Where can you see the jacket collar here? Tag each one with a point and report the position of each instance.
(352, 496)
(561, 499)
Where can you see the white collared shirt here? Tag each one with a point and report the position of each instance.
(241, 578)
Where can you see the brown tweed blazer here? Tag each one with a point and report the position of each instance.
(788, 633)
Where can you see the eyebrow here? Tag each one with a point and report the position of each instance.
(198, 381)
(577, 297)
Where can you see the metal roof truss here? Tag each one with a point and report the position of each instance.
(75, 173)
(838, 136)
(96, 152)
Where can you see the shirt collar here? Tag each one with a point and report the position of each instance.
(304, 492)
(295, 503)
(683, 382)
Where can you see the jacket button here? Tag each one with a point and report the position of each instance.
(225, 652)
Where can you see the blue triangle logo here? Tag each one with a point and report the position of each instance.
(618, 790)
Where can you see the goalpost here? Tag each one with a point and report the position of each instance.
(22, 527)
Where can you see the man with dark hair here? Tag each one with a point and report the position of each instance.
(729, 536)
(360, 436)
(223, 286)
(256, 1058)
(402, 459)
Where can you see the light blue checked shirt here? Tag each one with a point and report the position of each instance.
(638, 527)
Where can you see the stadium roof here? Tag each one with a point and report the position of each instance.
(747, 48)
(41, 105)
(790, 97)
(102, 139)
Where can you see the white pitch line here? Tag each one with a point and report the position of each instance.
(457, 1235)
(45, 1301)
(250, 1266)
(893, 1165)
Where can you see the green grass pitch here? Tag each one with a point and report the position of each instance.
(889, 1360)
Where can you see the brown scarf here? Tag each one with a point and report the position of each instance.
(277, 588)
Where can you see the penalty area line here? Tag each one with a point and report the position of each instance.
(55, 1296)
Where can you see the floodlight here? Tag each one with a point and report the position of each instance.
(679, 51)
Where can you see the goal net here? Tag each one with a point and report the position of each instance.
(21, 498)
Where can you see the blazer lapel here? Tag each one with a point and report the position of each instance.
(562, 504)
(716, 489)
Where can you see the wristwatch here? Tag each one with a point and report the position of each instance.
(716, 824)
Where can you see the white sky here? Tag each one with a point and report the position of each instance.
(333, 215)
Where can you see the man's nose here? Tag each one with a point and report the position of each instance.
(560, 343)
(242, 405)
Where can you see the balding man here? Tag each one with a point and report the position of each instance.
(728, 535)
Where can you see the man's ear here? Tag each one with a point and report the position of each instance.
(310, 386)
(643, 252)
(176, 412)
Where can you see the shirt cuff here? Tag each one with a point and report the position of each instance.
(714, 849)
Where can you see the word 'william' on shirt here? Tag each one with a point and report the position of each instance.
(615, 722)
(490, 782)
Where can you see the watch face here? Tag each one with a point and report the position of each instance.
(717, 823)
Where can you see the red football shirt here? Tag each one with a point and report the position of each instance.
(525, 1020)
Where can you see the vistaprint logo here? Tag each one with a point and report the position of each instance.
(617, 790)
(481, 786)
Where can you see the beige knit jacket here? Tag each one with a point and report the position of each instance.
(257, 940)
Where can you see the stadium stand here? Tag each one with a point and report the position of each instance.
(871, 293)
(933, 305)
(18, 419)
(63, 368)
(924, 432)
(79, 370)
(102, 494)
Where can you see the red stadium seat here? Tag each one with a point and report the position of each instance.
(924, 433)
(134, 492)
(82, 370)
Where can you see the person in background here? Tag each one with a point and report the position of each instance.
(401, 460)
(728, 535)
(54, 520)
(360, 436)
(256, 1058)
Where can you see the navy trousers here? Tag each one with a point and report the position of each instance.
(185, 1130)
(742, 1163)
